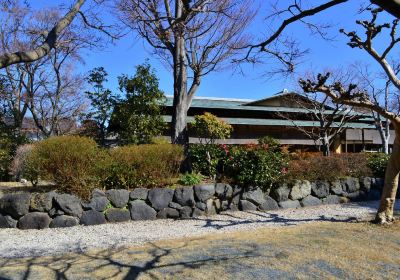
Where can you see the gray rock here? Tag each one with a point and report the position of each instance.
(223, 191)
(365, 184)
(34, 220)
(210, 207)
(69, 204)
(310, 201)
(42, 202)
(268, 204)
(331, 199)
(168, 213)
(141, 211)
(139, 193)
(175, 205)
(233, 207)
(204, 192)
(98, 203)
(300, 189)
(336, 188)
(160, 198)
(7, 222)
(224, 205)
(281, 193)
(92, 217)
(254, 195)
(184, 196)
(64, 221)
(55, 212)
(201, 205)
(237, 194)
(185, 212)
(118, 198)
(353, 196)
(15, 204)
(118, 215)
(350, 184)
(320, 189)
(289, 204)
(245, 205)
(197, 213)
(97, 193)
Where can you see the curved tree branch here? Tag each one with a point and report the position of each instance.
(8, 59)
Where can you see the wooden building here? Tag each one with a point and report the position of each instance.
(252, 119)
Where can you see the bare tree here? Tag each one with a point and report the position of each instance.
(331, 118)
(47, 89)
(193, 37)
(382, 93)
(351, 95)
(51, 38)
(280, 47)
(90, 19)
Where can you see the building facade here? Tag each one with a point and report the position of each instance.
(282, 118)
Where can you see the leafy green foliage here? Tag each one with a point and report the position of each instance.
(209, 128)
(256, 165)
(207, 156)
(69, 161)
(102, 103)
(141, 166)
(378, 162)
(137, 119)
(190, 179)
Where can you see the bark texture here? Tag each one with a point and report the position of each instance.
(386, 207)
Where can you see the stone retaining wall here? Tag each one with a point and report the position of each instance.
(43, 210)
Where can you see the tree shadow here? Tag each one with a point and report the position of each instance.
(147, 263)
(276, 219)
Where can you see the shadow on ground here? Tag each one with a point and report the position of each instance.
(322, 250)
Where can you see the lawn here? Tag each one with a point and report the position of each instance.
(324, 250)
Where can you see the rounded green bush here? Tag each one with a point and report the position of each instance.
(68, 161)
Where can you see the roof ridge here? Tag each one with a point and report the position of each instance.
(219, 98)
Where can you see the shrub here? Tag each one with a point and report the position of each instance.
(190, 179)
(256, 165)
(69, 161)
(142, 166)
(378, 162)
(207, 158)
(209, 128)
(19, 160)
(317, 167)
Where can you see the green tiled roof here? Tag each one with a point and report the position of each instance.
(273, 122)
(237, 104)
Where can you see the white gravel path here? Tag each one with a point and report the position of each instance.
(29, 243)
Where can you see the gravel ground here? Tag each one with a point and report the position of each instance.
(16, 243)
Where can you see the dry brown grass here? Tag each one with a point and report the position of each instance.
(312, 251)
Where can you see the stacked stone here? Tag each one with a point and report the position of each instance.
(43, 210)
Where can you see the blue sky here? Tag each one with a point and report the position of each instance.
(125, 54)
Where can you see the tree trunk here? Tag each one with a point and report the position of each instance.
(179, 134)
(325, 145)
(385, 146)
(385, 211)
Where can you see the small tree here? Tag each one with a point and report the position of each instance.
(137, 119)
(102, 102)
(330, 119)
(209, 128)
